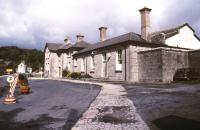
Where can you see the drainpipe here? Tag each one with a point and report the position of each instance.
(125, 64)
(86, 65)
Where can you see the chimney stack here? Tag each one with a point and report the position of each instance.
(102, 33)
(79, 37)
(145, 23)
(67, 40)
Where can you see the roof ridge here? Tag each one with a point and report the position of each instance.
(171, 29)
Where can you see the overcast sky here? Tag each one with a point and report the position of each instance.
(32, 23)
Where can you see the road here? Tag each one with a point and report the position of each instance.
(3, 81)
(50, 105)
(167, 107)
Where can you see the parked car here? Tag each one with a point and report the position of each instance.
(186, 74)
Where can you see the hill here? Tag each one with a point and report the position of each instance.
(11, 56)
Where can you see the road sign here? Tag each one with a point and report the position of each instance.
(10, 79)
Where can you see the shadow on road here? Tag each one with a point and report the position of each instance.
(173, 122)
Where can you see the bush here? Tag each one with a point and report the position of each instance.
(75, 75)
(65, 73)
(86, 76)
(22, 80)
(21, 76)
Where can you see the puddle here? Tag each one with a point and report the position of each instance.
(114, 115)
(176, 123)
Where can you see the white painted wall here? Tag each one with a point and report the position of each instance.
(21, 68)
(52, 64)
(64, 60)
(185, 38)
(47, 62)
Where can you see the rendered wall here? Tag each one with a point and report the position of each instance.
(185, 38)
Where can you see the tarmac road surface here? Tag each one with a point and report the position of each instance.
(167, 107)
(50, 105)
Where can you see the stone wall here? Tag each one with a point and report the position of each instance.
(54, 65)
(105, 70)
(160, 65)
(194, 60)
(150, 66)
(173, 60)
(132, 62)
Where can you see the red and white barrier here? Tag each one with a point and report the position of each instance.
(10, 99)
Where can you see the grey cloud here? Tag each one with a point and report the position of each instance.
(27, 24)
(182, 11)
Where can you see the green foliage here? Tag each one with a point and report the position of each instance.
(22, 77)
(86, 76)
(22, 80)
(65, 73)
(75, 75)
(32, 57)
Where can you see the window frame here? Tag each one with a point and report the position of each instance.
(104, 57)
(119, 60)
(75, 62)
(82, 64)
(92, 65)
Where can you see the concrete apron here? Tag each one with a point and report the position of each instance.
(111, 110)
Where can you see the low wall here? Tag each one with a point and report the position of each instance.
(160, 65)
(194, 60)
(173, 60)
(150, 66)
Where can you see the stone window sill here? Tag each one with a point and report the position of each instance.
(91, 71)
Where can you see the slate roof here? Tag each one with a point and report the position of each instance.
(81, 44)
(113, 41)
(156, 41)
(160, 36)
(63, 46)
(53, 46)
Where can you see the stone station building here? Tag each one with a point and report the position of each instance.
(149, 57)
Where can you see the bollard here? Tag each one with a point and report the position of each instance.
(10, 99)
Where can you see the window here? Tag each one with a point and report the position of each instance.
(104, 57)
(75, 62)
(119, 60)
(82, 65)
(119, 53)
(69, 66)
(92, 63)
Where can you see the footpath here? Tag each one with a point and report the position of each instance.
(111, 110)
